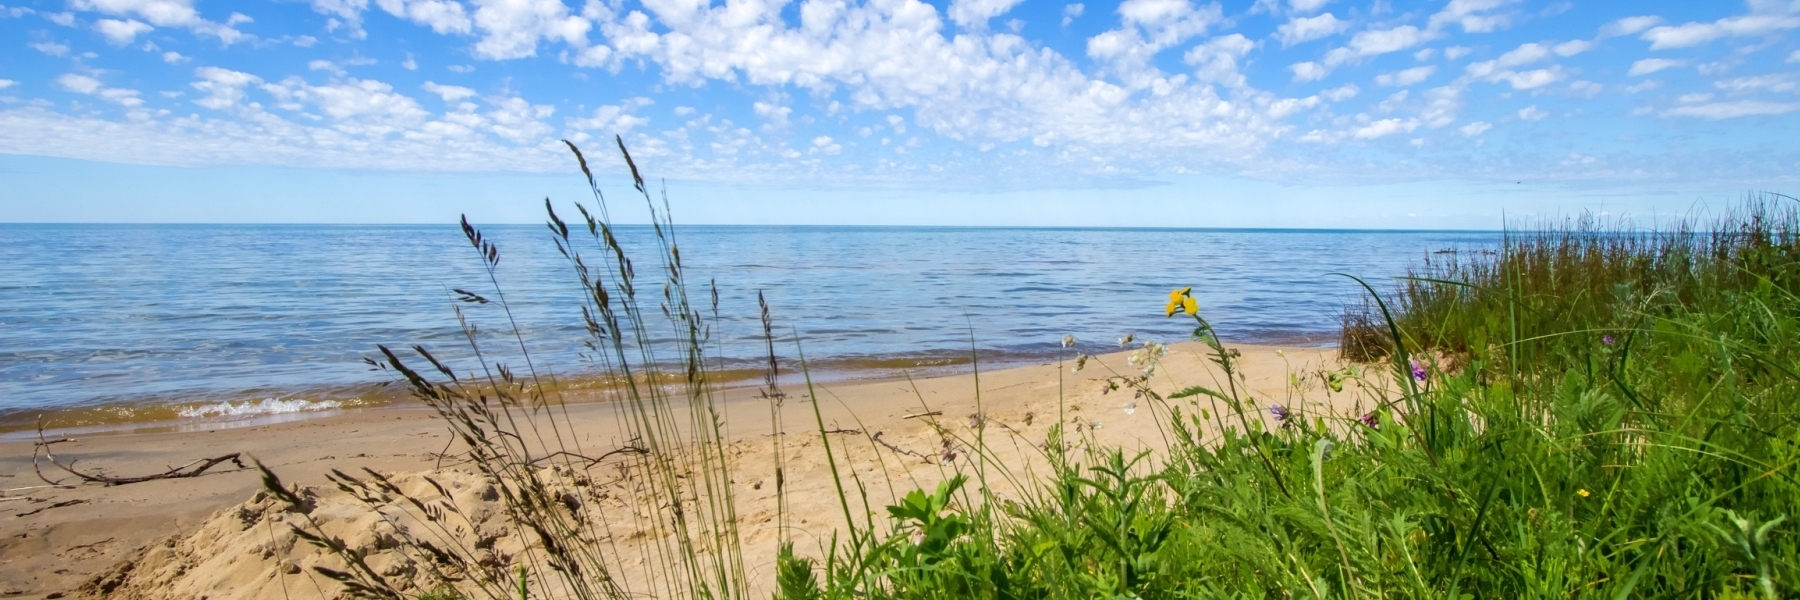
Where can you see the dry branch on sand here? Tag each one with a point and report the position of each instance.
(192, 469)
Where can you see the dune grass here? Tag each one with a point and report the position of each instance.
(1589, 411)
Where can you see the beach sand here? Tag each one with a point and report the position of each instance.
(213, 536)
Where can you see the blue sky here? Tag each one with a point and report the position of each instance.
(1299, 113)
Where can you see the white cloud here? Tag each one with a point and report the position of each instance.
(1406, 77)
(51, 48)
(1306, 29)
(174, 58)
(825, 144)
(614, 119)
(1573, 47)
(1307, 6)
(169, 13)
(1778, 82)
(1070, 12)
(1629, 26)
(1474, 16)
(1146, 28)
(1731, 110)
(1384, 128)
(80, 84)
(442, 16)
(1474, 129)
(1456, 52)
(1795, 57)
(511, 28)
(1340, 93)
(1533, 113)
(450, 93)
(325, 65)
(358, 107)
(1309, 71)
(409, 64)
(1503, 68)
(6, 83)
(1652, 65)
(461, 69)
(976, 13)
(1694, 34)
(83, 84)
(224, 88)
(1216, 60)
(120, 33)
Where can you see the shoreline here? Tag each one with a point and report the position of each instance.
(264, 406)
(54, 540)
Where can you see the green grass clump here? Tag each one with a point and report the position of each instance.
(1617, 419)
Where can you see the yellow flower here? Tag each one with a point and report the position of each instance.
(1583, 493)
(1182, 300)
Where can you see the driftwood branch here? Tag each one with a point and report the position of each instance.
(594, 460)
(192, 469)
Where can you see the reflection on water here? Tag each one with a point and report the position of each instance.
(117, 323)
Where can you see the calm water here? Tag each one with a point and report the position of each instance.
(129, 323)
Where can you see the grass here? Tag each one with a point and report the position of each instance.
(1590, 411)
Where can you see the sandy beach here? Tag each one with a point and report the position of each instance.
(212, 536)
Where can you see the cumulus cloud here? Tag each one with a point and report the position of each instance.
(1307, 6)
(224, 88)
(976, 13)
(1762, 21)
(1730, 110)
(613, 119)
(165, 13)
(1533, 113)
(1406, 77)
(1629, 26)
(83, 84)
(512, 28)
(450, 93)
(1305, 29)
(1474, 129)
(1384, 128)
(1776, 83)
(1146, 28)
(1216, 60)
(1504, 68)
(1652, 65)
(1070, 12)
(119, 32)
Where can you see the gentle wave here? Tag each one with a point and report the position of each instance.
(254, 408)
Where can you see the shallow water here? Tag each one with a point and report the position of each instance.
(112, 323)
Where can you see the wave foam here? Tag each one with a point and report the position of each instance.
(252, 408)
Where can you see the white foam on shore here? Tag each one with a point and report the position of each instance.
(257, 408)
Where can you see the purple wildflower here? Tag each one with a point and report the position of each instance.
(1607, 339)
(1418, 371)
(1280, 412)
(1371, 420)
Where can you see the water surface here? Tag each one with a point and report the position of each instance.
(104, 323)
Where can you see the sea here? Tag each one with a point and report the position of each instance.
(115, 327)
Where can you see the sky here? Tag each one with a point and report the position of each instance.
(1258, 113)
